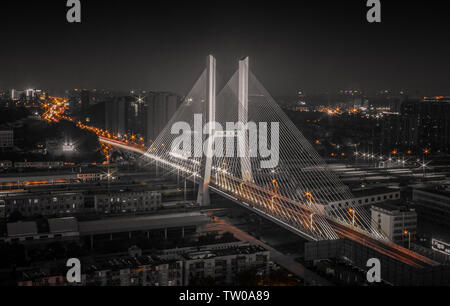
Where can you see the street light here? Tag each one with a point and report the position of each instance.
(405, 232)
(309, 196)
(352, 211)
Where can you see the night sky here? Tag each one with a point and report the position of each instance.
(315, 46)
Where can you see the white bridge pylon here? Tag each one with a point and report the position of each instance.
(203, 198)
(298, 190)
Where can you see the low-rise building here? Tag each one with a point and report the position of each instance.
(43, 203)
(163, 226)
(67, 203)
(223, 263)
(366, 197)
(175, 267)
(61, 229)
(433, 204)
(398, 222)
(6, 139)
(133, 201)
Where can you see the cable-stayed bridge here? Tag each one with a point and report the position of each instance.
(237, 142)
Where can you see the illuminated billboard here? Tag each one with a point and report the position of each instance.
(440, 246)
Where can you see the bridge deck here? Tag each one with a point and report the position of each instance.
(388, 248)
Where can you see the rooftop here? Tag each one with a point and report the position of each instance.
(22, 228)
(62, 225)
(435, 190)
(125, 261)
(358, 193)
(135, 223)
(27, 194)
(244, 249)
(392, 206)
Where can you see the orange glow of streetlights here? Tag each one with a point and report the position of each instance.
(352, 211)
(405, 232)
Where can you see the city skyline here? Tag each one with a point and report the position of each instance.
(206, 144)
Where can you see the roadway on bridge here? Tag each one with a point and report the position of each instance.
(384, 247)
(252, 191)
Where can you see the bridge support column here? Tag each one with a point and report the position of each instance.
(203, 198)
(246, 168)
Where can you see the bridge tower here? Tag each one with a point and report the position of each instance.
(246, 168)
(203, 198)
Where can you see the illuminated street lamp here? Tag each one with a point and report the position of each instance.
(352, 211)
(405, 232)
(309, 196)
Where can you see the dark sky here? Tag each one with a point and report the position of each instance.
(162, 45)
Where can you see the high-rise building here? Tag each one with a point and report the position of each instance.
(16, 95)
(137, 116)
(116, 113)
(160, 108)
(85, 100)
(30, 94)
(433, 204)
(143, 115)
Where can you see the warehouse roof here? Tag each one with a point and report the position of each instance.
(62, 225)
(22, 228)
(136, 223)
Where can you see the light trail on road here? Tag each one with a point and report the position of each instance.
(255, 192)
